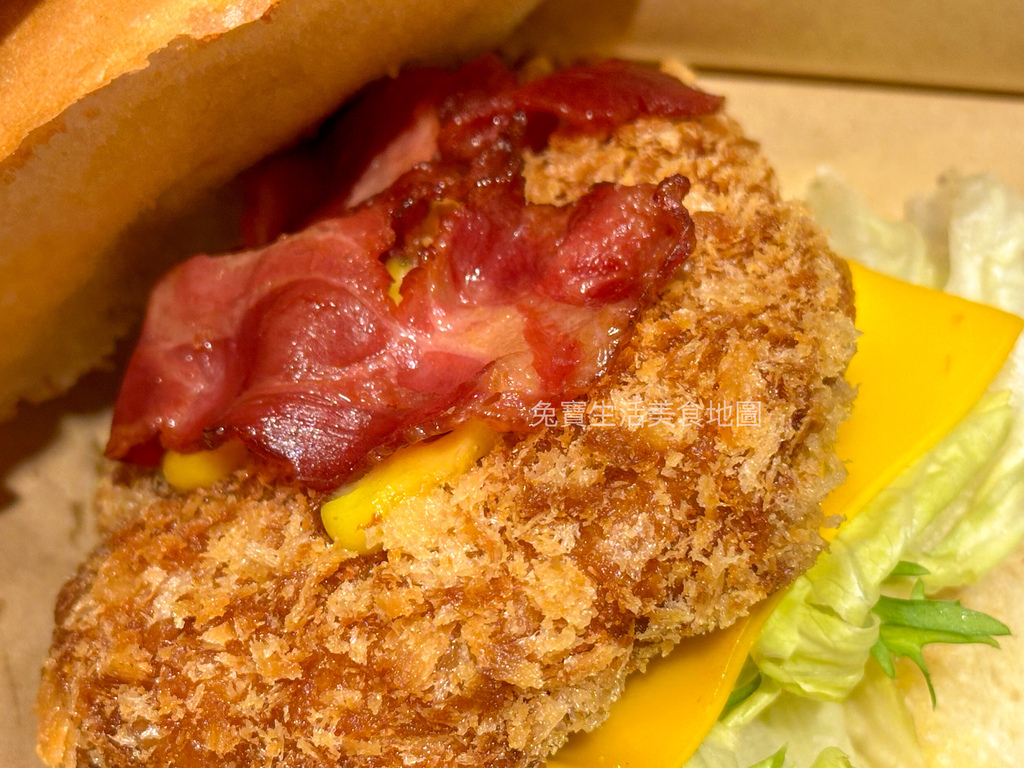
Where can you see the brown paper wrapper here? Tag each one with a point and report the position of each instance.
(888, 141)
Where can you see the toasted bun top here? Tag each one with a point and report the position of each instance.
(112, 108)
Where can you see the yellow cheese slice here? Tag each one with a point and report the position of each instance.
(924, 359)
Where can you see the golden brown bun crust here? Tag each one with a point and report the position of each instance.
(112, 108)
(509, 606)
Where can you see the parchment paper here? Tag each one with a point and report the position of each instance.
(888, 141)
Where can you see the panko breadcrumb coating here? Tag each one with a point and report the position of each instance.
(507, 608)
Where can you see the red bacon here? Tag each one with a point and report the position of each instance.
(297, 349)
(602, 96)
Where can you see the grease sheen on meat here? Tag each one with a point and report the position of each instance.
(297, 350)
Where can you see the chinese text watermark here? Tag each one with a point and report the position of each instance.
(635, 414)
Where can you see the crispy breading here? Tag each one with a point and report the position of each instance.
(506, 608)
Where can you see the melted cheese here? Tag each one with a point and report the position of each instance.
(409, 472)
(924, 359)
(189, 471)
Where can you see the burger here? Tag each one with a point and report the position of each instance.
(419, 558)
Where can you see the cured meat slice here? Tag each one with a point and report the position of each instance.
(297, 349)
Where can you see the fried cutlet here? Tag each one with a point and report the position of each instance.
(506, 608)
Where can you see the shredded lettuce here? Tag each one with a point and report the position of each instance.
(946, 521)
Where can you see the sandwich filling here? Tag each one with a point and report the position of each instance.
(300, 350)
(505, 607)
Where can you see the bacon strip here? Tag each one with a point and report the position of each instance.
(297, 349)
(602, 96)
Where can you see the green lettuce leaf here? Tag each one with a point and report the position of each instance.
(778, 760)
(871, 727)
(986, 256)
(831, 757)
(894, 248)
(967, 239)
(946, 521)
(818, 640)
(910, 624)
